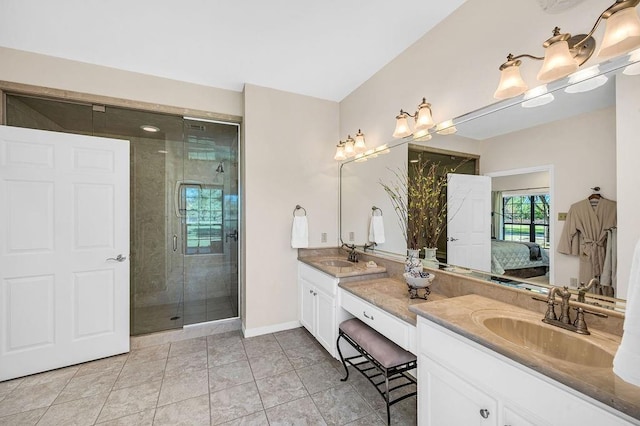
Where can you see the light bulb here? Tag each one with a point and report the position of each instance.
(340, 153)
(402, 127)
(360, 145)
(424, 120)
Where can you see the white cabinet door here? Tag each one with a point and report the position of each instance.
(326, 320)
(512, 418)
(307, 306)
(446, 399)
(65, 211)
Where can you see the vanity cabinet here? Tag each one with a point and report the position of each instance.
(394, 329)
(317, 301)
(462, 382)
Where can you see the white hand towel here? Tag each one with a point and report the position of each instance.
(300, 232)
(626, 363)
(376, 230)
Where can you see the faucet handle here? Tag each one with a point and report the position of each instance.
(579, 323)
(551, 313)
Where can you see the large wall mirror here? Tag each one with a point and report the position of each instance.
(543, 155)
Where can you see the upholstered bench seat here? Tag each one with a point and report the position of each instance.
(383, 350)
(377, 355)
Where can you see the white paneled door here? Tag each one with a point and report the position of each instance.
(64, 247)
(469, 221)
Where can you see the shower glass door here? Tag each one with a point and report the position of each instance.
(209, 235)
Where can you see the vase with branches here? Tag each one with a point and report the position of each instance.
(419, 198)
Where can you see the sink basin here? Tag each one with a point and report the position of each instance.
(549, 341)
(338, 263)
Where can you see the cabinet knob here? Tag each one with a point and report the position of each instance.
(310, 291)
(315, 294)
(484, 413)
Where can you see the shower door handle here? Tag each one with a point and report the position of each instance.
(175, 242)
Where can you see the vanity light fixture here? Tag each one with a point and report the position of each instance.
(565, 53)
(536, 97)
(350, 147)
(149, 128)
(446, 128)
(423, 121)
(586, 80)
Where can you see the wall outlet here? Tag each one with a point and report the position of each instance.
(323, 237)
(573, 282)
(562, 216)
(352, 236)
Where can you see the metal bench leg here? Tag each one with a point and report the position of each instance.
(344, 363)
(386, 397)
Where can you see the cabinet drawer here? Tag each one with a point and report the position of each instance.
(384, 323)
(324, 282)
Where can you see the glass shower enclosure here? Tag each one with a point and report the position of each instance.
(184, 183)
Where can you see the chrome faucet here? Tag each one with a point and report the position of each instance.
(579, 325)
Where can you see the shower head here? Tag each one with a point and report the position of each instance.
(220, 168)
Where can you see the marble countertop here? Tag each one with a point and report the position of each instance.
(353, 270)
(389, 295)
(461, 315)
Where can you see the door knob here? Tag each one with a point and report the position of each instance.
(119, 258)
(452, 239)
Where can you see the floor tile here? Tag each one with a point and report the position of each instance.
(123, 402)
(143, 418)
(26, 398)
(305, 355)
(255, 419)
(186, 363)
(222, 340)
(320, 377)
(300, 412)
(74, 413)
(87, 385)
(221, 355)
(370, 420)
(403, 413)
(185, 386)
(270, 365)
(139, 373)
(226, 376)
(233, 403)
(276, 390)
(185, 347)
(7, 386)
(341, 405)
(152, 353)
(28, 418)
(58, 375)
(194, 411)
(261, 345)
(293, 338)
(106, 365)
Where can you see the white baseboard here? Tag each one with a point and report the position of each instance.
(258, 331)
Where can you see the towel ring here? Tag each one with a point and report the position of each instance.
(374, 209)
(299, 207)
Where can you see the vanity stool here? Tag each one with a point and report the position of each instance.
(378, 358)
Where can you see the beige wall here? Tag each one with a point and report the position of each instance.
(289, 145)
(39, 70)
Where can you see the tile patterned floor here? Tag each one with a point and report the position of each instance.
(285, 378)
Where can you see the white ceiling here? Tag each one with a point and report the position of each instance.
(321, 48)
